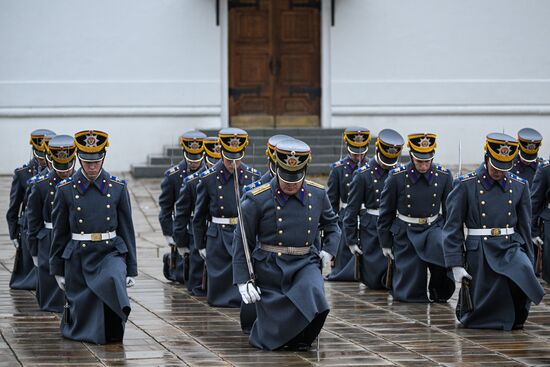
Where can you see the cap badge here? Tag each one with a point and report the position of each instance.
(91, 140)
(505, 150)
(531, 146)
(425, 142)
(358, 138)
(62, 154)
(194, 145)
(234, 142)
(292, 160)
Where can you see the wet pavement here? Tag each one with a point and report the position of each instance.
(168, 327)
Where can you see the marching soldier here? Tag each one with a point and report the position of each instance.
(24, 273)
(185, 206)
(527, 160)
(93, 255)
(61, 154)
(279, 225)
(193, 152)
(412, 213)
(339, 180)
(216, 201)
(496, 256)
(363, 206)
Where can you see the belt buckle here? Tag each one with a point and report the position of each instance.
(233, 220)
(495, 232)
(422, 220)
(96, 237)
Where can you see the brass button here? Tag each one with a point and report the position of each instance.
(485, 238)
(309, 219)
(279, 254)
(346, 175)
(220, 187)
(221, 207)
(110, 185)
(408, 196)
(78, 208)
(108, 195)
(278, 207)
(307, 243)
(280, 219)
(482, 214)
(509, 201)
(309, 231)
(108, 206)
(408, 185)
(435, 184)
(310, 207)
(51, 192)
(509, 213)
(223, 225)
(280, 231)
(309, 194)
(80, 221)
(76, 196)
(107, 242)
(435, 195)
(408, 205)
(484, 226)
(108, 218)
(82, 232)
(83, 245)
(481, 192)
(280, 243)
(482, 202)
(376, 190)
(221, 196)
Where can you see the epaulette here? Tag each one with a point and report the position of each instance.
(363, 168)
(118, 180)
(315, 184)
(34, 179)
(208, 172)
(66, 181)
(41, 178)
(443, 169)
(518, 179)
(337, 164)
(191, 177)
(21, 168)
(399, 169)
(252, 170)
(253, 185)
(260, 189)
(467, 176)
(172, 170)
(544, 164)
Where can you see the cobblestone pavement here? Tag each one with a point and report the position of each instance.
(169, 327)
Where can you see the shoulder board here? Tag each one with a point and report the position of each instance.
(467, 176)
(21, 168)
(251, 170)
(260, 189)
(118, 180)
(172, 170)
(518, 179)
(544, 164)
(443, 169)
(191, 177)
(66, 181)
(253, 185)
(41, 178)
(208, 172)
(399, 169)
(363, 168)
(315, 184)
(34, 179)
(337, 164)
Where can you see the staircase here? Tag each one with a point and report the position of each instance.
(326, 145)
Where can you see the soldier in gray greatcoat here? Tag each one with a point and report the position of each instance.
(496, 254)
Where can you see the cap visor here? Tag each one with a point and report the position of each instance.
(387, 161)
(422, 156)
(356, 150)
(232, 156)
(193, 157)
(501, 166)
(91, 157)
(291, 177)
(528, 157)
(39, 154)
(63, 166)
(211, 160)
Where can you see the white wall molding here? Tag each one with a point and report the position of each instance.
(449, 110)
(28, 112)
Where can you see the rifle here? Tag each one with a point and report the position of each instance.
(389, 274)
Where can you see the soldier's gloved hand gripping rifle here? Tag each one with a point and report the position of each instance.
(249, 288)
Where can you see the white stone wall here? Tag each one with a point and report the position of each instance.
(143, 70)
(457, 68)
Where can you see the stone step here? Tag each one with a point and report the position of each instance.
(297, 133)
(254, 159)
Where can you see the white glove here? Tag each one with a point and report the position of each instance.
(182, 250)
(249, 292)
(386, 251)
(60, 282)
(130, 282)
(35, 260)
(537, 241)
(459, 273)
(169, 240)
(15, 242)
(355, 250)
(202, 252)
(325, 257)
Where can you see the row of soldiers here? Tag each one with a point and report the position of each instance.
(388, 225)
(74, 235)
(260, 243)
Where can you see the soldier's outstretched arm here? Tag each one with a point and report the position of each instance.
(524, 221)
(201, 215)
(35, 219)
(182, 214)
(356, 197)
(251, 218)
(453, 229)
(388, 210)
(125, 230)
(16, 198)
(166, 204)
(61, 234)
(328, 222)
(538, 199)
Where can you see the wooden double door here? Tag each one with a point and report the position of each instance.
(274, 63)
